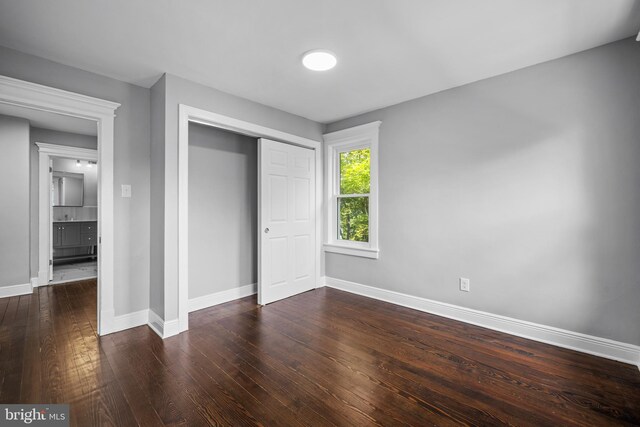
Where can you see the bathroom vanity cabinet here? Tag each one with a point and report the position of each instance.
(74, 240)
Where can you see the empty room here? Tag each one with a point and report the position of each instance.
(320, 213)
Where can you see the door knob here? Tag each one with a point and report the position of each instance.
(266, 230)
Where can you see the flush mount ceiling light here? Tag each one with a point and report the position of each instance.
(319, 60)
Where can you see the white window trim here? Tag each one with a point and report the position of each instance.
(363, 136)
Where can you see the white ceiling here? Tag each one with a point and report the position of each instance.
(53, 121)
(388, 51)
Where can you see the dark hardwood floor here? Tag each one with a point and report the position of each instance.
(321, 358)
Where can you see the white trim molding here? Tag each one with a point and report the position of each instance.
(186, 115)
(602, 347)
(129, 320)
(55, 150)
(358, 137)
(344, 250)
(44, 98)
(162, 328)
(15, 290)
(221, 297)
(34, 282)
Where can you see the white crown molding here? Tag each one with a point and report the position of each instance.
(603, 347)
(66, 151)
(216, 298)
(12, 91)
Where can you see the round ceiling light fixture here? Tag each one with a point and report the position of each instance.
(319, 60)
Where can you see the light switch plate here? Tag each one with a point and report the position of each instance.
(126, 190)
(465, 284)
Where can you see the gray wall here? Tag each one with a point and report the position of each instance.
(526, 183)
(14, 201)
(223, 198)
(131, 165)
(179, 91)
(51, 137)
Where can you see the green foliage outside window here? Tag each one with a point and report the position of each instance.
(353, 212)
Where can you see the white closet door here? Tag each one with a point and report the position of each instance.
(287, 221)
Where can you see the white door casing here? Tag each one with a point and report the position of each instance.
(43, 98)
(287, 221)
(188, 114)
(50, 277)
(46, 153)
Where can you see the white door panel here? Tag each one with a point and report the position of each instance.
(287, 221)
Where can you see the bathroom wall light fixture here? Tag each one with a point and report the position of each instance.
(78, 163)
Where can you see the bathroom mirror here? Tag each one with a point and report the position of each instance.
(67, 189)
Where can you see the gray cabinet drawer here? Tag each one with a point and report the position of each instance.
(88, 227)
(88, 239)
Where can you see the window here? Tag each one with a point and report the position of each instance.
(352, 184)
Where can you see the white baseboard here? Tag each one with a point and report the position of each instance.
(75, 279)
(34, 282)
(603, 347)
(216, 298)
(171, 328)
(162, 328)
(43, 278)
(15, 290)
(156, 323)
(130, 320)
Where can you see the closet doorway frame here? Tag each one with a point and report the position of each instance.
(22, 93)
(186, 115)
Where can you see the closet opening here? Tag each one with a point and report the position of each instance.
(223, 246)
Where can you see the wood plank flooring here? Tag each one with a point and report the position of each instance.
(325, 357)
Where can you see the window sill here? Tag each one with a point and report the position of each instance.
(350, 250)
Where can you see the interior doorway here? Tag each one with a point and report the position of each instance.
(74, 220)
(68, 213)
(15, 93)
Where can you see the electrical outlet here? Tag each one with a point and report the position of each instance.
(465, 284)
